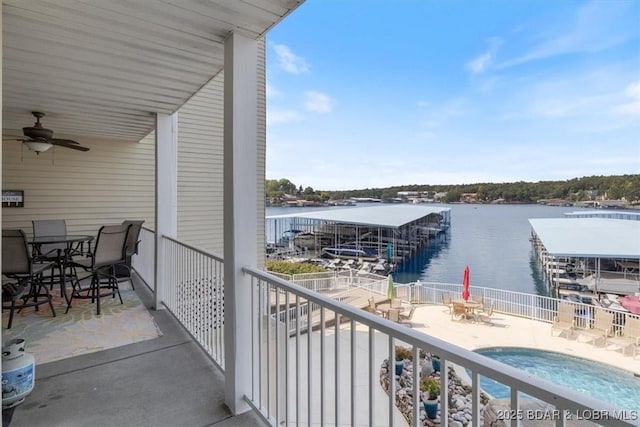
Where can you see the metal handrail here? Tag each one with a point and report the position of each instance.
(562, 398)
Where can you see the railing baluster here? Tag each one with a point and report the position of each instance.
(309, 367)
(392, 380)
(277, 372)
(372, 375)
(416, 386)
(475, 398)
(297, 392)
(444, 391)
(353, 372)
(337, 368)
(515, 406)
(322, 364)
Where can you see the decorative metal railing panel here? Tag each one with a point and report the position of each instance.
(323, 366)
(194, 294)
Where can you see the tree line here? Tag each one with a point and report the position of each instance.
(616, 187)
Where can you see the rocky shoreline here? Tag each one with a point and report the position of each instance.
(460, 406)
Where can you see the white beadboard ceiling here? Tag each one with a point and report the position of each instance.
(101, 68)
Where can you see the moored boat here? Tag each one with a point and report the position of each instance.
(351, 252)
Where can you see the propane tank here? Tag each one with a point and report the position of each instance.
(18, 373)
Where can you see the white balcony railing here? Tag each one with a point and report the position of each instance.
(330, 374)
(318, 360)
(194, 294)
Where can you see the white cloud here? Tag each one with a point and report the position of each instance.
(633, 90)
(318, 102)
(289, 61)
(632, 107)
(484, 60)
(276, 116)
(595, 27)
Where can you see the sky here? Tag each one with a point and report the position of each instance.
(379, 93)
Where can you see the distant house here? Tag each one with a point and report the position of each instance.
(405, 194)
(469, 197)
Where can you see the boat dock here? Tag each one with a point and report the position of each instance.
(592, 254)
(389, 232)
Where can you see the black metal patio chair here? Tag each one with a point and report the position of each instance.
(23, 274)
(108, 252)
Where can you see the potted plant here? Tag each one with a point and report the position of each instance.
(430, 388)
(435, 362)
(402, 353)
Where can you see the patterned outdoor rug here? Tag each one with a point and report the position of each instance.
(81, 331)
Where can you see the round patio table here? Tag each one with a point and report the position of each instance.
(470, 307)
(64, 255)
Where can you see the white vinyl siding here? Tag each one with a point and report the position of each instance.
(200, 168)
(200, 165)
(112, 182)
(262, 126)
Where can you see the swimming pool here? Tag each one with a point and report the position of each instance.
(616, 386)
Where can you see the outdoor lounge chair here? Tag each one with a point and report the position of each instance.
(479, 299)
(601, 328)
(629, 337)
(564, 321)
(372, 307)
(485, 316)
(394, 315)
(458, 311)
(446, 300)
(406, 318)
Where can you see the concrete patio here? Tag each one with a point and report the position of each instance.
(510, 331)
(167, 381)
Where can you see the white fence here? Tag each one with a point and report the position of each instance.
(534, 307)
(329, 376)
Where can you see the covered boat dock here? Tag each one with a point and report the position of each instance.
(392, 232)
(602, 254)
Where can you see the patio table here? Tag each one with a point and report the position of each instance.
(386, 306)
(470, 307)
(64, 256)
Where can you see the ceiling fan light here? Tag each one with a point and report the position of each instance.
(38, 146)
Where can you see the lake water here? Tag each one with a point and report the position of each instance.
(493, 240)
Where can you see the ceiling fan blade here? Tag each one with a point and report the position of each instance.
(67, 143)
(63, 141)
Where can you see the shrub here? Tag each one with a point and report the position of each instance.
(430, 387)
(288, 267)
(403, 353)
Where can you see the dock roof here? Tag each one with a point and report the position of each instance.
(589, 237)
(391, 216)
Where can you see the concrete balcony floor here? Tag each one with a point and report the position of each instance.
(166, 381)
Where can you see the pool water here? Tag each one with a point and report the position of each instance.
(613, 385)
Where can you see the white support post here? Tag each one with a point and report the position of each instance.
(166, 195)
(1, 109)
(240, 204)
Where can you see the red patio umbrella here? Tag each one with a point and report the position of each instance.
(631, 303)
(465, 283)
